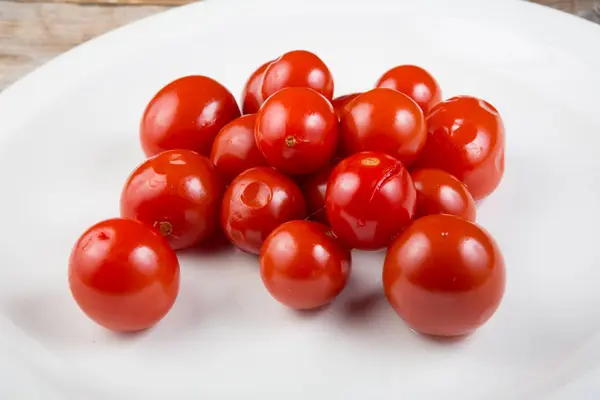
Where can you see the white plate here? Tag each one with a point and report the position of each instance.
(68, 140)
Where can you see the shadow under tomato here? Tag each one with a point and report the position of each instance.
(363, 295)
(187, 313)
(442, 340)
(312, 313)
(479, 203)
(53, 319)
(360, 307)
(212, 286)
(368, 320)
(134, 335)
(217, 243)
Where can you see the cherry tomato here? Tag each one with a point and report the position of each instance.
(314, 187)
(303, 266)
(258, 201)
(414, 82)
(123, 275)
(234, 149)
(370, 199)
(251, 96)
(298, 68)
(340, 102)
(466, 139)
(438, 192)
(178, 192)
(444, 276)
(187, 114)
(384, 120)
(297, 130)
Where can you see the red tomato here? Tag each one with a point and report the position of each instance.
(466, 139)
(370, 199)
(251, 96)
(258, 201)
(123, 275)
(303, 266)
(178, 192)
(234, 149)
(297, 130)
(298, 68)
(340, 102)
(444, 276)
(314, 187)
(187, 114)
(438, 192)
(384, 120)
(414, 82)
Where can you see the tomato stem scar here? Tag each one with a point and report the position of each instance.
(290, 141)
(165, 228)
(370, 162)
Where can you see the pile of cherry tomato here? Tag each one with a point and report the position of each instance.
(301, 178)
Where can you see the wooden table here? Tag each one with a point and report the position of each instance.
(34, 31)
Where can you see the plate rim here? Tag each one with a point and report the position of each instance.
(14, 97)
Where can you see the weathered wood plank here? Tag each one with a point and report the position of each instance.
(571, 6)
(563, 4)
(113, 2)
(567, 5)
(31, 34)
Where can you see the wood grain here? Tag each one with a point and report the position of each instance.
(571, 6)
(32, 34)
(35, 31)
(114, 2)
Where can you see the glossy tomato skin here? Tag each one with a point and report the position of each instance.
(341, 101)
(415, 82)
(179, 193)
(186, 114)
(370, 199)
(314, 187)
(297, 68)
(444, 276)
(438, 192)
(123, 275)
(234, 149)
(303, 266)
(297, 130)
(466, 139)
(384, 120)
(251, 96)
(257, 201)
